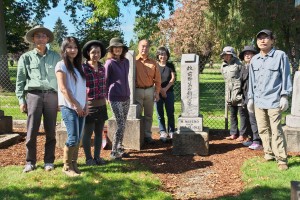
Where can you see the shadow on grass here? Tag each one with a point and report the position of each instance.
(98, 182)
(261, 193)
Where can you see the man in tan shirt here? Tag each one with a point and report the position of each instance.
(147, 83)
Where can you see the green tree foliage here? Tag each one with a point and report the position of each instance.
(237, 22)
(189, 31)
(60, 31)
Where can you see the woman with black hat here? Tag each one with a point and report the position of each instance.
(117, 70)
(246, 55)
(94, 71)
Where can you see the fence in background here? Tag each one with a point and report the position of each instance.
(211, 95)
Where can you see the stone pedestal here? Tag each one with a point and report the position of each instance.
(191, 143)
(6, 123)
(292, 136)
(61, 137)
(133, 136)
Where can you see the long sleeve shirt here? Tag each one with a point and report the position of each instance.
(147, 73)
(269, 79)
(117, 79)
(36, 72)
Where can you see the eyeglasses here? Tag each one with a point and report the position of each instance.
(43, 36)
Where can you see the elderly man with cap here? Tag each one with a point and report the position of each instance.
(269, 87)
(231, 68)
(94, 71)
(246, 55)
(36, 90)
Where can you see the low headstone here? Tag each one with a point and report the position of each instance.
(292, 128)
(133, 135)
(191, 137)
(295, 190)
(7, 140)
(6, 123)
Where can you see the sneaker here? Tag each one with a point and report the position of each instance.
(100, 161)
(255, 146)
(171, 135)
(247, 143)
(29, 168)
(283, 167)
(149, 140)
(90, 162)
(163, 136)
(115, 156)
(121, 151)
(49, 167)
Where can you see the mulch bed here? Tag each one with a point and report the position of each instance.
(185, 177)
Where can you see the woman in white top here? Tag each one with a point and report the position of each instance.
(72, 100)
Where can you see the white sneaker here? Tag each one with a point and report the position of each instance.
(49, 167)
(163, 136)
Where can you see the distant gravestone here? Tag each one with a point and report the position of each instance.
(191, 137)
(6, 123)
(133, 136)
(292, 128)
(295, 190)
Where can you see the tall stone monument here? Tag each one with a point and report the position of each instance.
(134, 135)
(191, 137)
(292, 128)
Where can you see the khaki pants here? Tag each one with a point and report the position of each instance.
(144, 98)
(271, 133)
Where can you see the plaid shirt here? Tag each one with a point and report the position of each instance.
(95, 81)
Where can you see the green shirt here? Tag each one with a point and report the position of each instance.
(36, 72)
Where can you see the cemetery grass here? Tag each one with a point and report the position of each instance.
(230, 171)
(264, 181)
(116, 180)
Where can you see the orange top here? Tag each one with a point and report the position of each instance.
(147, 73)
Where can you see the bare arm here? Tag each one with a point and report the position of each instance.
(62, 86)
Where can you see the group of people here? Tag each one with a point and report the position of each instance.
(258, 89)
(48, 82)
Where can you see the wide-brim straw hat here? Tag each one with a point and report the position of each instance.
(88, 45)
(117, 42)
(247, 48)
(39, 28)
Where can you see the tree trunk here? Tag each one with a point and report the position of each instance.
(5, 83)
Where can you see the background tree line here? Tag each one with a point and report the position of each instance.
(196, 26)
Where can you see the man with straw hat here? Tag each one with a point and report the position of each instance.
(36, 90)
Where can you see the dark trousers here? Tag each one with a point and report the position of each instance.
(169, 106)
(256, 139)
(245, 127)
(38, 105)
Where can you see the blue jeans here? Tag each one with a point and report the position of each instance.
(74, 125)
(169, 105)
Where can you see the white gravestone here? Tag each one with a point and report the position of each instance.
(191, 138)
(292, 128)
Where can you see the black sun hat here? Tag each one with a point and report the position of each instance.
(88, 45)
(247, 48)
